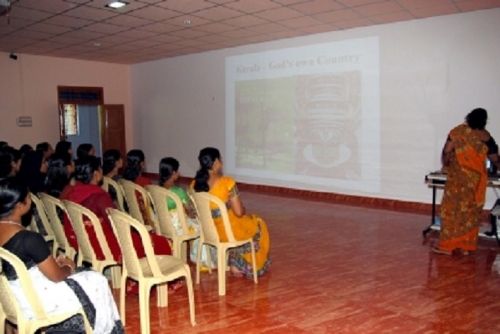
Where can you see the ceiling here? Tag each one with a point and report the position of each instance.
(152, 29)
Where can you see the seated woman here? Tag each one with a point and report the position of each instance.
(45, 148)
(64, 147)
(112, 162)
(87, 192)
(169, 174)
(84, 150)
(33, 171)
(59, 171)
(209, 178)
(52, 278)
(133, 172)
(111, 165)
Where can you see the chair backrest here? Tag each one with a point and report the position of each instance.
(123, 224)
(107, 184)
(40, 210)
(160, 196)
(77, 213)
(10, 304)
(134, 207)
(204, 203)
(52, 205)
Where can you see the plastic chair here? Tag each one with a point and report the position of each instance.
(49, 233)
(109, 183)
(130, 189)
(52, 205)
(210, 236)
(76, 213)
(149, 271)
(159, 197)
(11, 309)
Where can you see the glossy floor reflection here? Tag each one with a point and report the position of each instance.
(342, 269)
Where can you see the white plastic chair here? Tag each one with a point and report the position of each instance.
(107, 184)
(11, 310)
(76, 213)
(149, 271)
(52, 205)
(210, 236)
(159, 197)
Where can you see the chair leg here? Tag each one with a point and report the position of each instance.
(115, 277)
(189, 283)
(198, 260)
(2, 322)
(221, 270)
(123, 288)
(254, 263)
(162, 295)
(144, 290)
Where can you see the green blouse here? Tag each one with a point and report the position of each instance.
(179, 191)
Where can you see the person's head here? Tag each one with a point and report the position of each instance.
(135, 165)
(45, 148)
(477, 119)
(111, 162)
(169, 170)
(84, 150)
(32, 172)
(25, 148)
(88, 170)
(6, 161)
(14, 199)
(16, 159)
(64, 147)
(60, 168)
(210, 163)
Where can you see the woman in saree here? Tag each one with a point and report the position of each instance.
(87, 192)
(60, 287)
(169, 174)
(464, 156)
(209, 178)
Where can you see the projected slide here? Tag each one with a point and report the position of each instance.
(307, 115)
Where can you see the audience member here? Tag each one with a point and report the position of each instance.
(64, 147)
(112, 163)
(33, 171)
(24, 149)
(87, 192)
(84, 150)
(135, 167)
(59, 286)
(45, 148)
(60, 169)
(169, 174)
(209, 178)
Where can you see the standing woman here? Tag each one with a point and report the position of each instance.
(59, 287)
(209, 178)
(464, 156)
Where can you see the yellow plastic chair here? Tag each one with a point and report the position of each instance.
(210, 236)
(109, 183)
(52, 205)
(11, 310)
(129, 189)
(49, 233)
(149, 271)
(77, 213)
(159, 196)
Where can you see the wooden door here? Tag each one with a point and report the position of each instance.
(113, 127)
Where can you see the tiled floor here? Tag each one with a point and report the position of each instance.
(342, 269)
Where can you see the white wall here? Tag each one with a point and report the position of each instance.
(28, 87)
(432, 72)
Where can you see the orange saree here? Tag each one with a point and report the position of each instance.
(464, 193)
